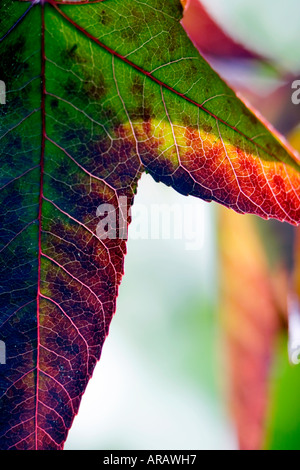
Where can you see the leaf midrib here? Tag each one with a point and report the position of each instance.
(43, 111)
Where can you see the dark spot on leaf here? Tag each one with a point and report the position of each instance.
(72, 50)
(207, 128)
(128, 34)
(95, 86)
(71, 56)
(105, 18)
(249, 115)
(54, 104)
(72, 86)
(12, 63)
(137, 87)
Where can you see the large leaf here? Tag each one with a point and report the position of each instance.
(97, 93)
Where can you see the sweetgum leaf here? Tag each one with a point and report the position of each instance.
(97, 93)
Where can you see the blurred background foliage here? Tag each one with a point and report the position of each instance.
(197, 354)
